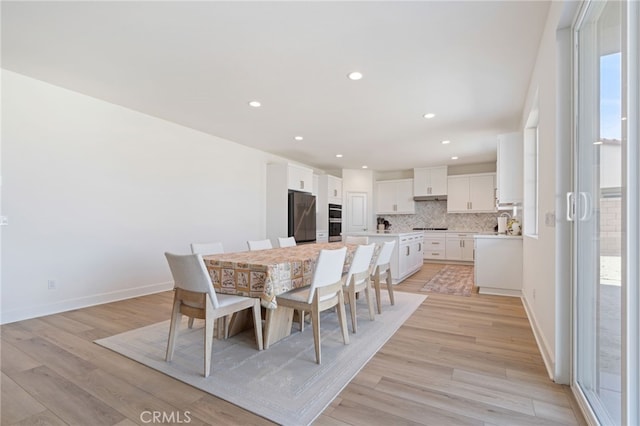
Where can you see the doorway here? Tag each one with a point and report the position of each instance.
(604, 209)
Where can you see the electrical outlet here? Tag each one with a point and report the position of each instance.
(51, 284)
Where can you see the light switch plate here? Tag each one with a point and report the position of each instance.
(550, 219)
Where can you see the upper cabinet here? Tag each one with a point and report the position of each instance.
(471, 193)
(395, 197)
(430, 182)
(299, 178)
(509, 170)
(334, 189)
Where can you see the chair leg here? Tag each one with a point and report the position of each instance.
(209, 326)
(257, 323)
(301, 316)
(367, 293)
(390, 287)
(352, 308)
(376, 285)
(315, 323)
(342, 318)
(173, 329)
(191, 319)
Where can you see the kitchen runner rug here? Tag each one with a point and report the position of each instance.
(283, 383)
(452, 279)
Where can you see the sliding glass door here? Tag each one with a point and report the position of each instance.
(599, 206)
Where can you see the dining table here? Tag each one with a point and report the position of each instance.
(268, 273)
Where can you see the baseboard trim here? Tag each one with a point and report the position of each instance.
(547, 357)
(81, 302)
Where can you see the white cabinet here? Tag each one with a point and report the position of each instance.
(509, 177)
(329, 192)
(435, 246)
(322, 236)
(334, 189)
(395, 197)
(498, 267)
(299, 178)
(460, 246)
(471, 193)
(409, 255)
(430, 181)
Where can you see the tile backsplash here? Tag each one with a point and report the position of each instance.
(433, 214)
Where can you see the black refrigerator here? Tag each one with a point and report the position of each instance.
(302, 216)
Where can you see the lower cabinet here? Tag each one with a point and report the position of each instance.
(407, 257)
(411, 249)
(435, 246)
(498, 267)
(460, 246)
(322, 236)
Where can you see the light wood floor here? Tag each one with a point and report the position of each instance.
(456, 361)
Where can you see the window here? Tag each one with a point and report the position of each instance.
(531, 173)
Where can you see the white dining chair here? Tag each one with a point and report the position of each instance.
(352, 239)
(207, 248)
(358, 280)
(324, 293)
(195, 297)
(286, 241)
(382, 270)
(259, 245)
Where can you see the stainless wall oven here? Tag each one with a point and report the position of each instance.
(335, 222)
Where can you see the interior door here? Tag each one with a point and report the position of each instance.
(356, 215)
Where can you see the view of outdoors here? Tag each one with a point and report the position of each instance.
(610, 236)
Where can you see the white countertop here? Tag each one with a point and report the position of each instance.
(390, 233)
(496, 235)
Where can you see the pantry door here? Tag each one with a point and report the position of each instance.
(603, 207)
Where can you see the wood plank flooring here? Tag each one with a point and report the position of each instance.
(456, 361)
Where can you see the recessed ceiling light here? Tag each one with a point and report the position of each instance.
(429, 115)
(339, 155)
(355, 75)
(298, 138)
(365, 167)
(598, 143)
(254, 104)
(454, 158)
(445, 142)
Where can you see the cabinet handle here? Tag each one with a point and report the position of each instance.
(301, 184)
(435, 243)
(460, 243)
(470, 205)
(419, 246)
(335, 192)
(407, 250)
(435, 254)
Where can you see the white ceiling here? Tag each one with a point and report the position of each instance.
(200, 63)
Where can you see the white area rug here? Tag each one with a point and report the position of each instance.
(283, 383)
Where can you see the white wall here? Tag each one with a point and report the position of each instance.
(545, 278)
(96, 193)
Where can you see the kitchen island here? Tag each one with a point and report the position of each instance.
(407, 257)
(498, 264)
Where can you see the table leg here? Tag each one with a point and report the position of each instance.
(277, 325)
